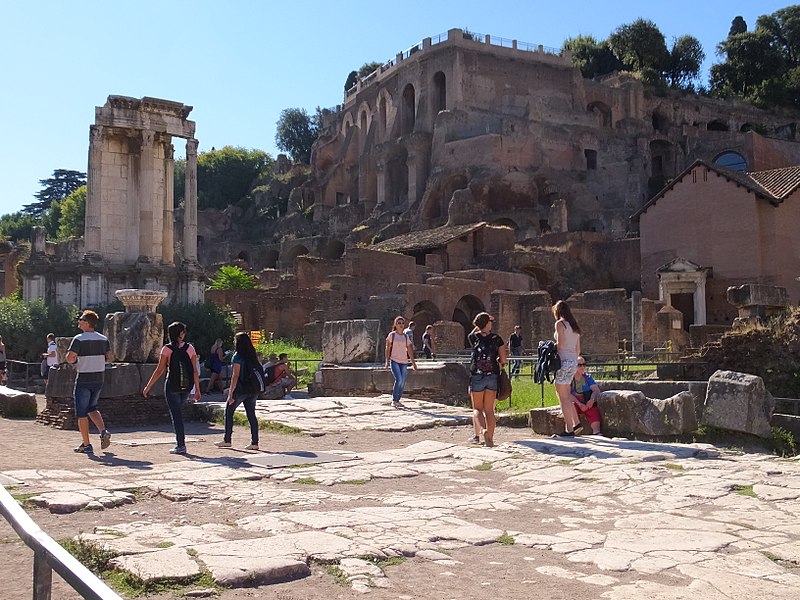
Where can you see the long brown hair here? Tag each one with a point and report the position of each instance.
(561, 310)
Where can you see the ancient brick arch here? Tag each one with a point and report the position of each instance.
(718, 125)
(602, 112)
(385, 107)
(296, 251)
(505, 222)
(347, 123)
(408, 110)
(425, 313)
(465, 311)
(333, 249)
(439, 102)
(271, 259)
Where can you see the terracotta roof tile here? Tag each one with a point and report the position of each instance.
(779, 182)
(427, 238)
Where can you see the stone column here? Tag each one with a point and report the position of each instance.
(190, 203)
(92, 220)
(637, 329)
(380, 173)
(146, 188)
(700, 301)
(168, 225)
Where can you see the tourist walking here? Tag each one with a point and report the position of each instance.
(91, 351)
(568, 341)
(214, 364)
(2, 362)
(488, 357)
(179, 360)
(515, 346)
(427, 342)
(244, 361)
(399, 351)
(586, 393)
(49, 358)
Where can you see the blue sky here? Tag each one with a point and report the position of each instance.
(239, 63)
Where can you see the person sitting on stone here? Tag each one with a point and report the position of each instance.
(586, 392)
(283, 374)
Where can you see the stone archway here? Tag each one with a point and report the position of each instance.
(464, 312)
(424, 313)
(333, 249)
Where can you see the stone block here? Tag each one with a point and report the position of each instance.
(135, 337)
(546, 421)
(756, 294)
(738, 402)
(16, 404)
(356, 341)
(122, 380)
(448, 337)
(627, 412)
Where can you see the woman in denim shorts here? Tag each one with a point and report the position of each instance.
(568, 341)
(488, 357)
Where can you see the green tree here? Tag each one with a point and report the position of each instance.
(593, 58)
(17, 226)
(232, 277)
(59, 186)
(685, 59)
(641, 47)
(73, 214)
(179, 181)
(205, 322)
(295, 133)
(738, 25)
(367, 68)
(225, 176)
(25, 326)
(352, 79)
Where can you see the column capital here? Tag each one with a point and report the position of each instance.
(191, 146)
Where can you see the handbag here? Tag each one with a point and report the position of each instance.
(503, 385)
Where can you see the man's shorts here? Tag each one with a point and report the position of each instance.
(566, 373)
(86, 397)
(481, 383)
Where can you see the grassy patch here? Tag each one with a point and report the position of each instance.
(355, 481)
(506, 540)
(392, 561)
(240, 419)
(191, 552)
(307, 481)
(527, 395)
(91, 555)
(745, 490)
(165, 545)
(565, 461)
(303, 361)
(673, 466)
(783, 442)
(23, 499)
(786, 564)
(338, 575)
(484, 466)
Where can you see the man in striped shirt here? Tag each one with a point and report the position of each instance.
(91, 351)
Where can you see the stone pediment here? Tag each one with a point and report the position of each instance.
(680, 265)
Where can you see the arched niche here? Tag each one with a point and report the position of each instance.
(408, 107)
(333, 249)
(465, 311)
(718, 125)
(299, 250)
(271, 259)
(439, 92)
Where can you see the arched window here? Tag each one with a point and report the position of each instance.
(409, 109)
(439, 93)
(732, 160)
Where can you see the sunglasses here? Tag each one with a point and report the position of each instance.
(81, 319)
(581, 364)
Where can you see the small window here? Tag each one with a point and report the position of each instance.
(732, 160)
(591, 159)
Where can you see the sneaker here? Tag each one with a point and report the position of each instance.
(223, 444)
(397, 405)
(475, 439)
(251, 447)
(289, 397)
(85, 449)
(565, 434)
(178, 450)
(578, 428)
(105, 439)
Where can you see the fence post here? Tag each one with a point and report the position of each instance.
(42, 577)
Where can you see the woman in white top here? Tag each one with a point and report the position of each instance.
(568, 341)
(399, 350)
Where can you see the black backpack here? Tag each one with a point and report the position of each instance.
(251, 379)
(547, 362)
(269, 374)
(484, 354)
(180, 374)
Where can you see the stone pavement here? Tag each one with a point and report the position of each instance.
(632, 519)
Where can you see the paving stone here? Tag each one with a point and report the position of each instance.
(171, 563)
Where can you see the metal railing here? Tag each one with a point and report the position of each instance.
(15, 368)
(49, 556)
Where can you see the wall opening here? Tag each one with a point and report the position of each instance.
(409, 105)
(439, 93)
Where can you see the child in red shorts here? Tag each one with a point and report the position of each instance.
(585, 392)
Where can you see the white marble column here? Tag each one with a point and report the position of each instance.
(168, 248)
(92, 220)
(700, 301)
(190, 203)
(146, 188)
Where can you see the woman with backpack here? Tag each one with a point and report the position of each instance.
(179, 360)
(214, 364)
(568, 341)
(399, 351)
(488, 357)
(243, 390)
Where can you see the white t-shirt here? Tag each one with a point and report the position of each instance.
(51, 360)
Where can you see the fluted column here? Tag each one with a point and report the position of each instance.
(146, 188)
(92, 220)
(168, 248)
(190, 203)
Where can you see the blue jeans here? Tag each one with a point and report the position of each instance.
(516, 364)
(86, 396)
(249, 401)
(175, 402)
(399, 370)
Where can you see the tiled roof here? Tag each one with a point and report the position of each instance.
(428, 238)
(773, 185)
(779, 182)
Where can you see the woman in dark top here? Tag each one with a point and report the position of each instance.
(488, 357)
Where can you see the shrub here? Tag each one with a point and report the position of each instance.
(24, 326)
